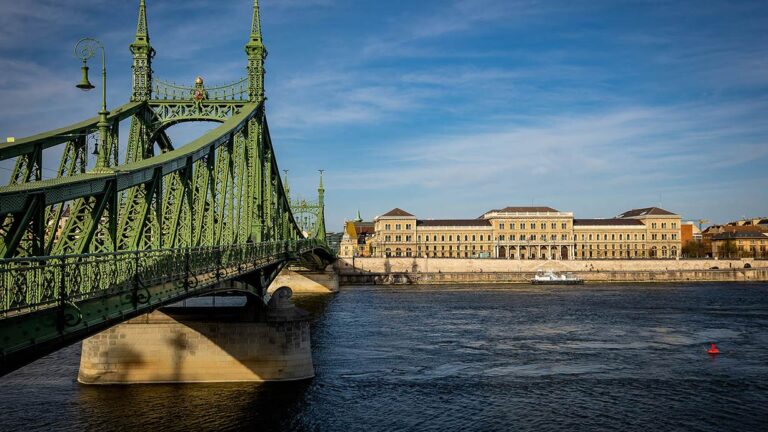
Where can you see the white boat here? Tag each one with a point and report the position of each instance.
(550, 277)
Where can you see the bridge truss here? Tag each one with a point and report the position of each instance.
(107, 240)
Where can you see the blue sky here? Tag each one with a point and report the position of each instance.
(448, 108)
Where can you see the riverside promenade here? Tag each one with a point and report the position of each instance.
(463, 271)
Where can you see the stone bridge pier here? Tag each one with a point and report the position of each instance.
(204, 344)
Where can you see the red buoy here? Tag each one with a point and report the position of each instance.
(713, 350)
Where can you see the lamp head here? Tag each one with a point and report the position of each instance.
(85, 83)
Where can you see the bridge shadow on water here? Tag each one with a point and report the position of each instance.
(226, 406)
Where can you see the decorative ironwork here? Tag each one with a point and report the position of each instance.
(166, 91)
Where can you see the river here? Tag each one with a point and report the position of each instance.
(596, 357)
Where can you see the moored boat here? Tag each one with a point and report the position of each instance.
(550, 277)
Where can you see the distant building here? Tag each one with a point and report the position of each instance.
(529, 233)
(739, 244)
(707, 236)
(356, 238)
(334, 241)
(689, 232)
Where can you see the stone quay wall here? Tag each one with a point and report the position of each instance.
(468, 271)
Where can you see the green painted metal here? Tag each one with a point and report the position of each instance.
(104, 241)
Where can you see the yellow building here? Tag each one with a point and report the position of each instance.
(529, 233)
(740, 244)
(609, 238)
(663, 231)
(357, 238)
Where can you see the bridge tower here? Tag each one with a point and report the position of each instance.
(142, 51)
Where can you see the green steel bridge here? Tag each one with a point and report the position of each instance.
(107, 240)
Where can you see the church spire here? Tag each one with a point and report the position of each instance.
(142, 58)
(256, 55)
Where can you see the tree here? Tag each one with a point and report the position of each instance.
(728, 249)
(694, 249)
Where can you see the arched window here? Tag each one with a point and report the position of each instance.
(388, 252)
(398, 252)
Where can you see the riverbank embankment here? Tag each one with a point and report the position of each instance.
(486, 271)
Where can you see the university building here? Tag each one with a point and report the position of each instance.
(525, 233)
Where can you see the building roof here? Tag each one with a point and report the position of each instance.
(364, 227)
(717, 229)
(524, 209)
(397, 212)
(454, 222)
(607, 222)
(740, 235)
(649, 211)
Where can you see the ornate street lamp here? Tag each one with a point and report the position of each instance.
(84, 50)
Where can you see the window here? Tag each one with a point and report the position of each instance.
(501, 226)
(522, 225)
(653, 236)
(442, 237)
(533, 236)
(512, 226)
(481, 237)
(408, 238)
(465, 237)
(543, 225)
(397, 227)
(590, 237)
(663, 225)
(512, 237)
(674, 225)
(426, 238)
(473, 237)
(398, 238)
(643, 236)
(663, 236)
(522, 237)
(387, 227)
(407, 226)
(501, 237)
(553, 225)
(418, 239)
(387, 237)
(653, 225)
(564, 225)
(450, 238)
(553, 237)
(674, 236)
(621, 237)
(635, 236)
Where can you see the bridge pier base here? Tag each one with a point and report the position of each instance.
(307, 281)
(195, 345)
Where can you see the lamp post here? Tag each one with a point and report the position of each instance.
(84, 50)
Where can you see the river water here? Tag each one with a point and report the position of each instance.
(602, 357)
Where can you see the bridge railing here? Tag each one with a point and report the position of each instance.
(28, 284)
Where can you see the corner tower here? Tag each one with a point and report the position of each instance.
(142, 59)
(257, 53)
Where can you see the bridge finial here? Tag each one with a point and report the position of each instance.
(141, 27)
(320, 230)
(142, 58)
(256, 55)
(286, 186)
